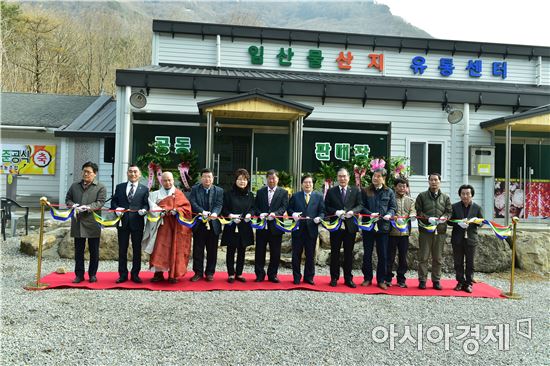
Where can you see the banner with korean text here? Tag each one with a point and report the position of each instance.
(28, 159)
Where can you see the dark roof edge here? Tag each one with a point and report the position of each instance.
(514, 117)
(77, 133)
(303, 35)
(392, 89)
(255, 93)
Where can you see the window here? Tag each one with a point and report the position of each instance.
(426, 157)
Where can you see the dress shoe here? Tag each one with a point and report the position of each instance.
(422, 285)
(231, 279)
(136, 279)
(459, 287)
(383, 286)
(172, 280)
(437, 286)
(258, 279)
(92, 279)
(196, 277)
(78, 279)
(240, 278)
(350, 284)
(209, 278)
(121, 280)
(387, 283)
(402, 284)
(296, 281)
(468, 288)
(158, 277)
(275, 279)
(366, 283)
(333, 283)
(310, 282)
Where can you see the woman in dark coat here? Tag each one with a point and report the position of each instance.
(238, 204)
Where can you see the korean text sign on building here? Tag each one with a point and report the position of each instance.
(28, 159)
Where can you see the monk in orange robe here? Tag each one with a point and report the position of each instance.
(168, 242)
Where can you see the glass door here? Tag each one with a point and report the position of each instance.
(232, 150)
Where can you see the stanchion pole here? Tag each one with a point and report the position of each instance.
(511, 294)
(37, 285)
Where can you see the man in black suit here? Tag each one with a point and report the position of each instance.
(271, 201)
(464, 236)
(134, 197)
(343, 202)
(207, 200)
(308, 207)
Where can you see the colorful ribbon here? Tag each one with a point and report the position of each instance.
(61, 215)
(103, 222)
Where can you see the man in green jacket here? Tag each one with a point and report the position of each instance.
(433, 208)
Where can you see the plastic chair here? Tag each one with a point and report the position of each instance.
(6, 207)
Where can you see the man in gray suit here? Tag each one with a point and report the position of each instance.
(206, 199)
(464, 236)
(85, 197)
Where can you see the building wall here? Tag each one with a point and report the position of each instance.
(31, 187)
(193, 50)
(415, 122)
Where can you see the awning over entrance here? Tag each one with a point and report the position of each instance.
(536, 120)
(257, 105)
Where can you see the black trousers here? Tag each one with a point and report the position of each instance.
(263, 238)
(300, 243)
(123, 242)
(337, 238)
(93, 248)
(462, 252)
(398, 245)
(205, 239)
(236, 245)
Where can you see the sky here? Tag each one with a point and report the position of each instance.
(506, 21)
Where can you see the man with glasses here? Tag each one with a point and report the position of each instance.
(86, 196)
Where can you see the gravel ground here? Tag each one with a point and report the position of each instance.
(86, 327)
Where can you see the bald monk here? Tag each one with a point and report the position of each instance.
(168, 242)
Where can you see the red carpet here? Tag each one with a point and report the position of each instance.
(106, 281)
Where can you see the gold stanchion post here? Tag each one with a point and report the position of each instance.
(511, 294)
(37, 285)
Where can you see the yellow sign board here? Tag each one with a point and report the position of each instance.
(28, 159)
(484, 169)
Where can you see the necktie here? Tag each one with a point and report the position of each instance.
(270, 196)
(207, 199)
(131, 193)
(307, 198)
(344, 195)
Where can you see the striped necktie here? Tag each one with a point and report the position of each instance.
(131, 193)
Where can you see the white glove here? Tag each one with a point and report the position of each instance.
(349, 214)
(162, 213)
(413, 218)
(119, 210)
(247, 217)
(173, 212)
(271, 216)
(237, 221)
(75, 206)
(387, 217)
(463, 225)
(317, 220)
(400, 221)
(442, 219)
(234, 216)
(142, 212)
(83, 208)
(340, 213)
(214, 215)
(296, 216)
(374, 215)
(432, 220)
(205, 214)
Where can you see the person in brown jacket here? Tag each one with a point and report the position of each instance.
(85, 197)
(399, 240)
(433, 207)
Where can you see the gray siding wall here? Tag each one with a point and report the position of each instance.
(192, 50)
